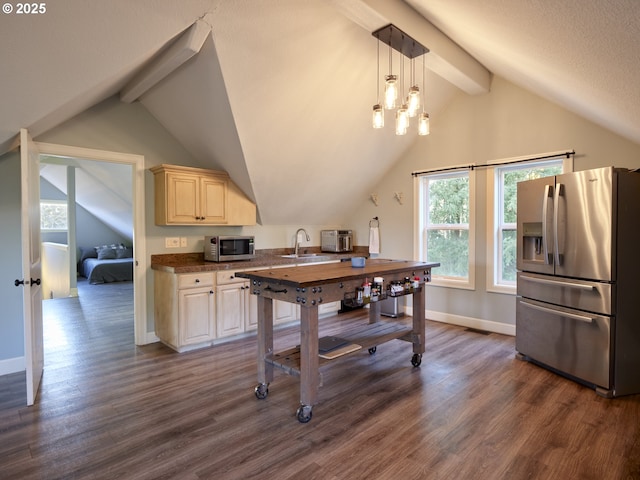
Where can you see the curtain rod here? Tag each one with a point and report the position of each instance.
(509, 162)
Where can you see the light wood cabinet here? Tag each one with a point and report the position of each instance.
(197, 196)
(285, 312)
(194, 310)
(328, 308)
(233, 304)
(185, 309)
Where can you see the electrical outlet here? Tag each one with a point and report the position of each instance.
(183, 241)
(171, 242)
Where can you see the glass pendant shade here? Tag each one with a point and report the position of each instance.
(378, 116)
(413, 101)
(402, 120)
(423, 124)
(390, 91)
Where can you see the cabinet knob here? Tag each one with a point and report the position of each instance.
(197, 280)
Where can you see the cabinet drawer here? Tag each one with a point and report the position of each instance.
(192, 280)
(228, 276)
(571, 341)
(578, 294)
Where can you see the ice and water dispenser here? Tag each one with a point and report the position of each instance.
(532, 243)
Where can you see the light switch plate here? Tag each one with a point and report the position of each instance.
(183, 241)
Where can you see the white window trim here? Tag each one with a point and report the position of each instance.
(418, 228)
(56, 202)
(492, 215)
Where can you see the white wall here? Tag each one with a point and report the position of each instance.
(507, 122)
(11, 323)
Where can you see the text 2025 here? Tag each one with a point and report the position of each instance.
(31, 8)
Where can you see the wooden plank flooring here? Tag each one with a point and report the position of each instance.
(109, 409)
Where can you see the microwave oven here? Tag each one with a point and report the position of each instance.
(228, 248)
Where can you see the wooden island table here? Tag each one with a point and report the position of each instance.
(311, 285)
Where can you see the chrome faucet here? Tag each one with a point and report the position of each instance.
(295, 251)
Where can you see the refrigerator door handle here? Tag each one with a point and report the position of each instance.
(544, 281)
(545, 204)
(573, 316)
(556, 245)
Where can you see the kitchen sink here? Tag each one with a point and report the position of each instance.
(300, 255)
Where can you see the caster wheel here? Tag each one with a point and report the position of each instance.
(372, 350)
(261, 391)
(304, 413)
(416, 360)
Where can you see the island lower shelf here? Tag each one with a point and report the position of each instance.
(368, 335)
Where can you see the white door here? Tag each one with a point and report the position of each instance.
(31, 266)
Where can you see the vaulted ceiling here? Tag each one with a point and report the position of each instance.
(280, 93)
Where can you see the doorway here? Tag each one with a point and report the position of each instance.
(135, 164)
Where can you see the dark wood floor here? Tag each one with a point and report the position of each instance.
(109, 409)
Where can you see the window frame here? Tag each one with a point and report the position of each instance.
(494, 213)
(420, 227)
(54, 202)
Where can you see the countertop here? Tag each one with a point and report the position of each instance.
(338, 272)
(195, 262)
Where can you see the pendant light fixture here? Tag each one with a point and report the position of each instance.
(423, 124)
(402, 120)
(413, 98)
(390, 91)
(410, 105)
(378, 113)
(423, 119)
(402, 114)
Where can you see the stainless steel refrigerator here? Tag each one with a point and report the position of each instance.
(578, 261)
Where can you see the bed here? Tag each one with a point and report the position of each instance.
(106, 264)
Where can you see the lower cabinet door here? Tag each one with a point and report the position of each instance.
(284, 312)
(251, 319)
(231, 308)
(196, 315)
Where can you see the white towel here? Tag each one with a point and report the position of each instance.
(374, 240)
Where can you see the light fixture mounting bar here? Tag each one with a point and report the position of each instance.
(400, 41)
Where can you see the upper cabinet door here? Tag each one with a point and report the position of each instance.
(182, 199)
(213, 199)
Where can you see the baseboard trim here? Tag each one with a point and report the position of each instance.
(150, 337)
(12, 365)
(471, 322)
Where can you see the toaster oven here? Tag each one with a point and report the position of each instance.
(336, 241)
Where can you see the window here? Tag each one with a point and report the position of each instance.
(53, 215)
(446, 227)
(502, 190)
